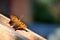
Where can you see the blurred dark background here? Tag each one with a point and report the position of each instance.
(41, 16)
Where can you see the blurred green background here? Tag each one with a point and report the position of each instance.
(46, 11)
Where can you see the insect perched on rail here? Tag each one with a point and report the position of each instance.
(17, 24)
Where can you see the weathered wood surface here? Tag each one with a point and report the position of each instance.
(7, 33)
(29, 35)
